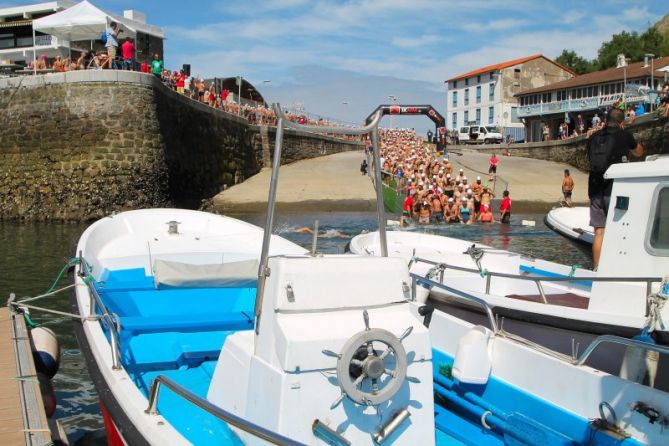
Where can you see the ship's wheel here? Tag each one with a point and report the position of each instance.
(372, 365)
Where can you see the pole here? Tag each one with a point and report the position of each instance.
(269, 222)
(652, 83)
(239, 98)
(34, 54)
(380, 207)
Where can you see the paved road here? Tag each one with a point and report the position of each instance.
(334, 183)
(528, 179)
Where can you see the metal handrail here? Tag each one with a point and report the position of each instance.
(538, 279)
(107, 318)
(417, 278)
(619, 340)
(283, 122)
(230, 418)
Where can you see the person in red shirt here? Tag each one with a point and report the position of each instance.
(505, 208)
(224, 94)
(407, 209)
(128, 53)
(181, 82)
(493, 167)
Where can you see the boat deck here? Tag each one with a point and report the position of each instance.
(22, 417)
(179, 333)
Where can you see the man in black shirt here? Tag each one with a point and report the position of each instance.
(611, 145)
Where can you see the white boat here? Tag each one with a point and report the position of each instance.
(572, 222)
(187, 345)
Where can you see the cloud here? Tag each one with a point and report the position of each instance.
(413, 42)
(495, 25)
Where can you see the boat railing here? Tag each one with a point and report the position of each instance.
(282, 122)
(418, 279)
(110, 320)
(224, 415)
(611, 339)
(536, 279)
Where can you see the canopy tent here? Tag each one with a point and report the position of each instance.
(82, 21)
(85, 21)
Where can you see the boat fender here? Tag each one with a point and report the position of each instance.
(640, 365)
(48, 394)
(426, 311)
(46, 350)
(472, 363)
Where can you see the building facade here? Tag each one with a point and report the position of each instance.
(16, 32)
(16, 35)
(589, 94)
(487, 95)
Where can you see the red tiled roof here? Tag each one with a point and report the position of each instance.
(507, 64)
(632, 71)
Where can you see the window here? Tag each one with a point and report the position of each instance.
(454, 120)
(546, 97)
(455, 84)
(516, 73)
(467, 81)
(466, 96)
(7, 40)
(478, 94)
(466, 117)
(491, 92)
(491, 115)
(455, 99)
(659, 233)
(478, 79)
(478, 116)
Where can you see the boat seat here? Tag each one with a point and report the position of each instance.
(133, 279)
(235, 320)
(563, 299)
(171, 351)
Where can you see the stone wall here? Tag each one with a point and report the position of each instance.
(80, 145)
(652, 133)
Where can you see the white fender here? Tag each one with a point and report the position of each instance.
(46, 350)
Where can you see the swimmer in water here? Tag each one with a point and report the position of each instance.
(328, 233)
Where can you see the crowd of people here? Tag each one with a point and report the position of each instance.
(435, 192)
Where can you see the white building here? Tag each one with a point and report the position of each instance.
(16, 33)
(486, 96)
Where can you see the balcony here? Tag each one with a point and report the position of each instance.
(577, 105)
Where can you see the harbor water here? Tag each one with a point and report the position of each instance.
(34, 253)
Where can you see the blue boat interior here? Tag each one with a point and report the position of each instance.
(179, 332)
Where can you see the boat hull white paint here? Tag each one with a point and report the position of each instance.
(573, 223)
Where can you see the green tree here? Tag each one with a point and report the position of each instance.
(625, 43)
(655, 42)
(578, 64)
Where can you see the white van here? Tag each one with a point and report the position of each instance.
(479, 134)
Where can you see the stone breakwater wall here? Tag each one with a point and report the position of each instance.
(652, 133)
(77, 146)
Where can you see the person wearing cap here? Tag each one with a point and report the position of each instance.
(477, 189)
(424, 213)
(465, 213)
(486, 216)
(437, 209)
(451, 212)
(449, 186)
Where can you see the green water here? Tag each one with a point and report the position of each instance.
(34, 253)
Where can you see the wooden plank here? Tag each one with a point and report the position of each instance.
(16, 392)
(11, 417)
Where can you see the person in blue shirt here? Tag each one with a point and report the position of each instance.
(113, 30)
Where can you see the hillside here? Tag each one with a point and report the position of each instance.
(663, 25)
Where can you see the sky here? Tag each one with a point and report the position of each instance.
(341, 59)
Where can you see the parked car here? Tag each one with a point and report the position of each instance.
(480, 134)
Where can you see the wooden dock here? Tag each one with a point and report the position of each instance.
(22, 417)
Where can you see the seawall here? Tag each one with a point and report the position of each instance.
(81, 145)
(652, 133)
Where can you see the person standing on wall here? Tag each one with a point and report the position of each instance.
(113, 30)
(613, 144)
(157, 66)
